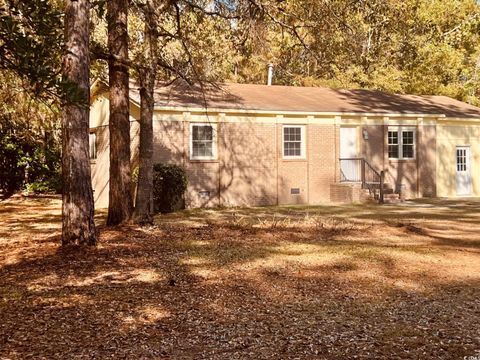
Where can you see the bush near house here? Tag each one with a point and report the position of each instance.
(169, 185)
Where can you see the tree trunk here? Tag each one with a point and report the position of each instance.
(144, 200)
(120, 204)
(78, 226)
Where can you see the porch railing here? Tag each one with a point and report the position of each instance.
(359, 170)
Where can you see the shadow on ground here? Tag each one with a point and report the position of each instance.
(266, 283)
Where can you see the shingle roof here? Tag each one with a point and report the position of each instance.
(305, 99)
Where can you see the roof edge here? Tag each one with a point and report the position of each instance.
(288, 112)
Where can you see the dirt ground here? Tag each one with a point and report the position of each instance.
(326, 282)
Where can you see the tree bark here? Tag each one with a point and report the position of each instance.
(144, 199)
(78, 226)
(120, 204)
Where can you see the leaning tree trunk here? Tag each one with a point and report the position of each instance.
(144, 199)
(120, 204)
(78, 225)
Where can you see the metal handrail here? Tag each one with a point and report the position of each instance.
(369, 177)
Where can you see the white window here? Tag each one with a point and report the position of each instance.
(92, 142)
(461, 159)
(401, 143)
(293, 142)
(203, 141)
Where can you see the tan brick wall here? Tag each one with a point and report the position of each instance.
(400, 174)
(168, 139)
(323, 158)
(416, 177)
(347, 193)
(373, 149)
(250, 168)
(247, 164)
(292, 173)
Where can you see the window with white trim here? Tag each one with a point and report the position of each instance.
(203, 141)
(92, 145)
(293, 142)
(401, 143)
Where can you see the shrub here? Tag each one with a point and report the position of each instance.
(169, 185)
(28, 161)
(52, 185)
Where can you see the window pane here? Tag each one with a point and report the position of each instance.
(202, 132)
(407, 151)
(393, 151)
(461, 160)
(207, 133)
(209, 149)
(408, 144)
(196, 149)
(407, 137)
(292, 141)
(393, 148)
(202, 141)
(392, 138)
(93, 145)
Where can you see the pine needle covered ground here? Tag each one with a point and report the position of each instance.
(332, 282)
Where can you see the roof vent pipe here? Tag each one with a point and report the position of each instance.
(270, 75)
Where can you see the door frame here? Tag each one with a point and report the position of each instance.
(351, 168)
(468, 163)
(357, 139)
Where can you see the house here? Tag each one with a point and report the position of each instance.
(244, 144)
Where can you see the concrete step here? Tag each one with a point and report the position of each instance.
(388, 197)
(392, 198)
(386, 186)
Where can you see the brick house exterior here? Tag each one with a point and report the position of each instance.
(253, 145)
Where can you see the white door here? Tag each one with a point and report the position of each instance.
(463, 169)
(348, 149)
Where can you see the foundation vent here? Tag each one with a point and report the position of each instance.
(204, 194)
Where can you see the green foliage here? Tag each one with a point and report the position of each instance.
(27, 162)
(29, 141)
(169, 185)
(135, 173)
(31, 38)
(53, 185)
(412, 46)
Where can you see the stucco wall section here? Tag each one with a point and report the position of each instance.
(100, 168)
(427, 165)
(450, 136)
(99, 115)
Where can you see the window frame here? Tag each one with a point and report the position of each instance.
(303, 142)
(214, 142)
(95, 152)
(400, 130)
